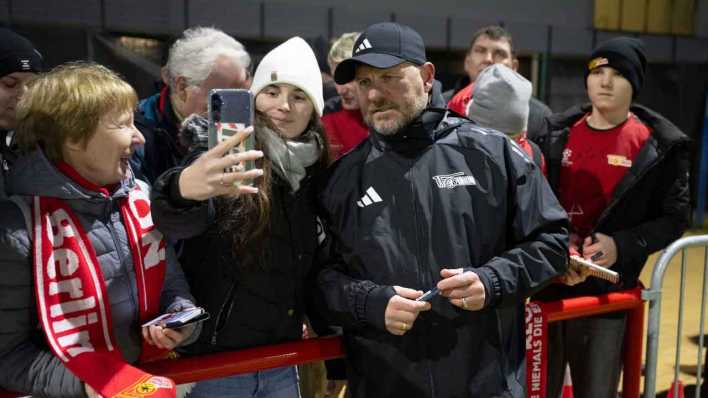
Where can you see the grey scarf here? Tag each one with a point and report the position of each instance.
(290, 157)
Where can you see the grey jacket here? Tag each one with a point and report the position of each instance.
(27, 363)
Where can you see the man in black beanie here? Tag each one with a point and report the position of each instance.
(620, 170)
(19, 61)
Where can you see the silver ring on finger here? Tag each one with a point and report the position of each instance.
(221, 180)
(464, 303)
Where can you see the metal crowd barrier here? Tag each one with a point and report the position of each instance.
(653, 295)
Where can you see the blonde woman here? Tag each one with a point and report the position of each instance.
(81, 263)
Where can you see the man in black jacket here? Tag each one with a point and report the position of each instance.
(431, 201)
(621, 172)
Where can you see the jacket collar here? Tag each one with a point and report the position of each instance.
(665, 132)
(664, 136)
(74, 175)
(421, 132)
(166, 117)
(35, 175)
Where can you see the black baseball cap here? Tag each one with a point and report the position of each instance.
(382, 46)
(17, 54)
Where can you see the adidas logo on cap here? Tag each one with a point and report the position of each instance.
(363, 46)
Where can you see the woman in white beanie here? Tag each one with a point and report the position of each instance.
(247, 250)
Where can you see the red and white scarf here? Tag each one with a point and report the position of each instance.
(72, 301)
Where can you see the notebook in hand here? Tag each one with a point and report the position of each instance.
(578, 263)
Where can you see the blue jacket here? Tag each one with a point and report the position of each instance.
(162, 150)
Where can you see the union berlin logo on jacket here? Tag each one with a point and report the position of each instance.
(72, 301)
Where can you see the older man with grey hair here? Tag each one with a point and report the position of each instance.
(200, 60)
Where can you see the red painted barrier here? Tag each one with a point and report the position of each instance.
(210, 366)
(190, 369)
(628, 300)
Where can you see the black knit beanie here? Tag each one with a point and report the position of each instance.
(17, 54)
(626, 55)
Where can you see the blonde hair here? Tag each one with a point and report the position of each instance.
(342, 48)
(67, 104)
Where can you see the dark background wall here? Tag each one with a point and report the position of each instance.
(552, 37)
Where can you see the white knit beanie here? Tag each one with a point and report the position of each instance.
(292, 62)
(500, 100)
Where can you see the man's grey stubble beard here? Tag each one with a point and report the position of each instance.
(416, 109)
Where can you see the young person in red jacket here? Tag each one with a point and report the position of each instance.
(620, 170)
(502, 103)
(342, 118)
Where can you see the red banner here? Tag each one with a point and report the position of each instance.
(536, 350)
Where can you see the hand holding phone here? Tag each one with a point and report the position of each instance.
(168, 331)
(207, 176)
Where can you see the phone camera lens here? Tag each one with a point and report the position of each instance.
(216, 102)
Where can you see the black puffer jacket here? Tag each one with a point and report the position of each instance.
(650, 206)
(442, 193)
(248, 306)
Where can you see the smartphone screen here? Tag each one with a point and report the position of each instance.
(231, 110)
(179, 319)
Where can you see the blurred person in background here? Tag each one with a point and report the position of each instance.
(492, 45)
(501, 102)
(342, 118)
(19, 62)
(200, 60)
(82, 266)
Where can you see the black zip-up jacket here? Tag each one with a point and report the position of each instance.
(249, 306)
(650, 206)
(442, 193)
